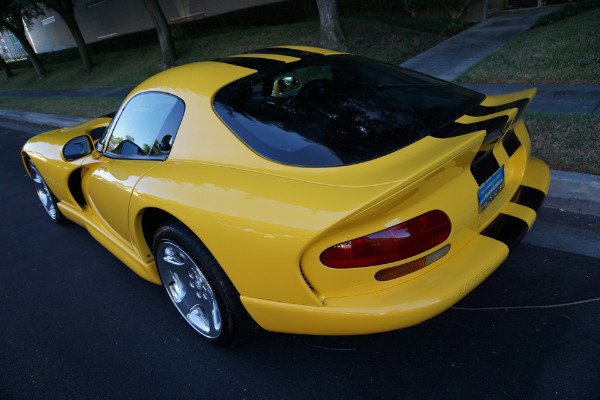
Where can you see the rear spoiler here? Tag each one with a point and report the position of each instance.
(496, 114)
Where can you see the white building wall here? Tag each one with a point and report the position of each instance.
(101, 19)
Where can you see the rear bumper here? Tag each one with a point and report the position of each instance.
(425, 296)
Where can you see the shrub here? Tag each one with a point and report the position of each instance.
(570, 10)
(456, 8)
(441, 26)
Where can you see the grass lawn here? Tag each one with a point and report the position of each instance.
(76, 106)
(569, 142)
(566, 52)
(365, 37)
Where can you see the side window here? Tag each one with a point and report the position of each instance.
(147, 126)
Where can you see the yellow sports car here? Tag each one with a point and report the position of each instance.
(301, 189)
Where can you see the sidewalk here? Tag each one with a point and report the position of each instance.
(454, 56)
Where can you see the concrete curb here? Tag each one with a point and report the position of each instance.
(49, 120)
(569, 191)
(574, 192)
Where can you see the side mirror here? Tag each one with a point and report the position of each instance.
(286, 84)
(77, 147)
(164, 146)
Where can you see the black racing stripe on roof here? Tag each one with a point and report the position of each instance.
(507, 229)
(256, 63)
(284, 51)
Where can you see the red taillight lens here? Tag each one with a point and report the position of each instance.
(396, 243)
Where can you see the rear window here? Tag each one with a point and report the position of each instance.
(337, 110)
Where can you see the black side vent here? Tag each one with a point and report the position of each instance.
(75, 188)
(306, 280)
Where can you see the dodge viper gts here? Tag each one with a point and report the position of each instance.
(300, 189)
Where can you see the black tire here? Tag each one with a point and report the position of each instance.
(47, 198)
(185, 265)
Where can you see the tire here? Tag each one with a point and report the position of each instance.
(47, 198)
(198, 286)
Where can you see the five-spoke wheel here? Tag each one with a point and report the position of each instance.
(48, 200)
(198, 286)
(189, 289)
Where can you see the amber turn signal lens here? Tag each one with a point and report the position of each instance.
(408, 268)
(400, 270)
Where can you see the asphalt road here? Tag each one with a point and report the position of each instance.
(75, 323)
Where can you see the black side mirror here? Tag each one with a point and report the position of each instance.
(165, 144)
(77, 147)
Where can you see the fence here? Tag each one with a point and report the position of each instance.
(513, 4)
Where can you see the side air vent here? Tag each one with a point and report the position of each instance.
(306, 280)
(75, 188)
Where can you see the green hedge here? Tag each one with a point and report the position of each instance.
(570, 10)
(442, 26)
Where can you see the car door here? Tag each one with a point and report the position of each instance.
(140, 139)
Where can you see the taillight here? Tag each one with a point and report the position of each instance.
(393, 244)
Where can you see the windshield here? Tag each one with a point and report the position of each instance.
(337, 110)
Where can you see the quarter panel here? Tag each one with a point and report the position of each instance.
(256, 225)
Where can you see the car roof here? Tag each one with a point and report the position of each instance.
(206, 77)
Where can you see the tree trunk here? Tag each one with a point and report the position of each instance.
(332, 36)
(7, 72)
(69, 18)
(19, 33)
(164, 34)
